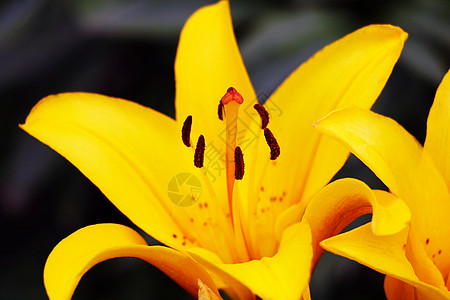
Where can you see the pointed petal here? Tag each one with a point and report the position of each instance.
(128, 151)
(349, 72)
(205, 293)
(397, 290)
(342, 201)
(380, 142)
(226, 282)
(385, 254)
(423, 265)
(437, 143)
(80, 251)
(283, 276)
(306, 294)
(135, 156)
(400, 162)
(208, 62)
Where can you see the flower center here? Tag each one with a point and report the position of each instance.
(234, 158)
(228, 111)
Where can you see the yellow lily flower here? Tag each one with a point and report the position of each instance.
(416, 261)
(239, 228)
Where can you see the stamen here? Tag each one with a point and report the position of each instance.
(263, 113)
(273, 144)
(220, 111)
(186, 131)
(199, 152)
(238, 164)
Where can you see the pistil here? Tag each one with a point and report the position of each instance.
(231, 102)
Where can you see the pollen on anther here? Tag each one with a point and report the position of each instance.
(263, 114)
(199, 152)
(186, 131)
(238, 164)
(220, 110)
(273, 144)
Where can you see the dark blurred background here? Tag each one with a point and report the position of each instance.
(127, 49)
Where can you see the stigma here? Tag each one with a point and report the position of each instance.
(232, 95)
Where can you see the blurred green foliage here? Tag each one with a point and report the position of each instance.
(127, 49)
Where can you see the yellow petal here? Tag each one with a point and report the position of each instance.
(306, 294)
(128, 151)
(398, 290)
(400, 162)
(224, 281)
(207, 63)
(385, 254)
(342, 201)
(135, 156)
(423, 265)
(380, 142)
(80, 251)
(350, 71)
(283, 276)
(437, 143)
(205, 293)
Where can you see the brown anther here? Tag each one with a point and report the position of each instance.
(220, 111)
(263, 113)
(186, 131)
(199, 152)
(273, 144)
(238, 164)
